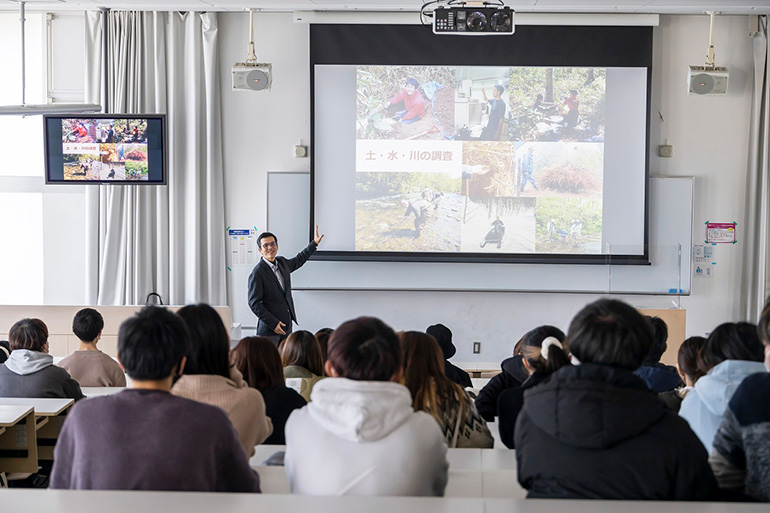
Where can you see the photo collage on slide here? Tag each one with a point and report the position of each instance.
(479, 159)
(105, 149)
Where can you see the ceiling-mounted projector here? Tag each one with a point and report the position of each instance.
(473, 21)
(708, 79)
(252, 75)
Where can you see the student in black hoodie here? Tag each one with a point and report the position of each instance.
(543, 354)
(658, 376)
(443, 336)
(595, 431)
(512, 376)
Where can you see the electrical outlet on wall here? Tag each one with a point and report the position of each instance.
(476, 347)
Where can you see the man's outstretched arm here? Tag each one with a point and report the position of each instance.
(302, 257)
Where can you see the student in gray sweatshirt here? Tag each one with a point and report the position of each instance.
(29, 370)
(144, 438)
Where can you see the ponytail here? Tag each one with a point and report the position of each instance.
(556, 359)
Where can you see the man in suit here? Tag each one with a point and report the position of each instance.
(270, 286)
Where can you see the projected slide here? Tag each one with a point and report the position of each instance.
(479, 159)
(104, 149)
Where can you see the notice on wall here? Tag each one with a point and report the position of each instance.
(704, 264)
(243, 247)
(720, 233)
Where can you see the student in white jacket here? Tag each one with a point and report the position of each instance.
(731, 353)
(360, 435)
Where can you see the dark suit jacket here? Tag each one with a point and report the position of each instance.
(266, 298)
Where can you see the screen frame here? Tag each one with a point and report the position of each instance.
(531, 45)
(164, 149)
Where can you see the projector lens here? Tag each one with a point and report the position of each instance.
(501, 22)
(477, 21)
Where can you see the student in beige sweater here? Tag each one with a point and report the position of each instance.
(209, 378)
(89, 366)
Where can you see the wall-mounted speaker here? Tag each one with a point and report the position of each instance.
(252, 77)
(707, 80)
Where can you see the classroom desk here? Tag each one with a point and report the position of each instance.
(18, 444)
(97, 391)
(50, 415)
(77, 501)
(472, 473)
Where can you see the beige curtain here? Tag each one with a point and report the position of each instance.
(165, 239)
(755, 282)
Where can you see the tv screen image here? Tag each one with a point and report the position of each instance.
(105, 149)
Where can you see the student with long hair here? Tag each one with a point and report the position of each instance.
(434, 393)
(731, 353)
(687, 366)
(360, 435)
(209, 378)
(302, 362)
(543, 351)
(257, 359)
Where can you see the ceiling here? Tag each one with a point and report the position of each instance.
(545, 6)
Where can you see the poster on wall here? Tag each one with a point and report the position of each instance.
(720, 233)
(243, 247)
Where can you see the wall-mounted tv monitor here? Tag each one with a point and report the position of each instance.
(105, 149)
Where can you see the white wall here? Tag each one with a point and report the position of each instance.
(709, 134)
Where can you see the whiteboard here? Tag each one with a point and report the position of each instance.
(670, 225)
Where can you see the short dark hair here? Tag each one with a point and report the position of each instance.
(500, 88)
(731, 341)
(412, 81)
(659, 340)
(687, 357)
(610, 332)
(265, 235)
(87, 324)
(29, 334)
(152, 343)
(257, 359)
(209, 341)
(365, 349)
(301, 348)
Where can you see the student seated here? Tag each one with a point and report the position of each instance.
(257, 359)
(543, 351)
(731, 353)
(89, 366)
(595, 431)
(687, 363)
(434, 393)
(360, 435)
(5, 350)
(302, 362)
(144, 438)
(658, 376)
(443, 336)
(322, 336)
(209, 378)
(512, 376)
(741, 459)
(29, 370)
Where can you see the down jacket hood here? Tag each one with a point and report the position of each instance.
(514, 367)
(592, 406)
(717, 387)
(360, 411)
(24, 361)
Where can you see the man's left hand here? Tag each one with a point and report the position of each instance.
(318, 238)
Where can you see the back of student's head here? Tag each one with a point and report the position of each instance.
(322, 336)
(258, 360)
(731, 341)
(302, 349)
(610, 332)
(5, 350)
(209, 341)
(365, 349)
(687, 357)
(152, 343)
(544, 349)
(659, 340)
(29, 334)
(87, 324)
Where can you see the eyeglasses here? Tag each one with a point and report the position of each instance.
(266, 245)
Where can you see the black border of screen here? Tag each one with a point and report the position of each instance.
(164, 147)
(530, 45)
